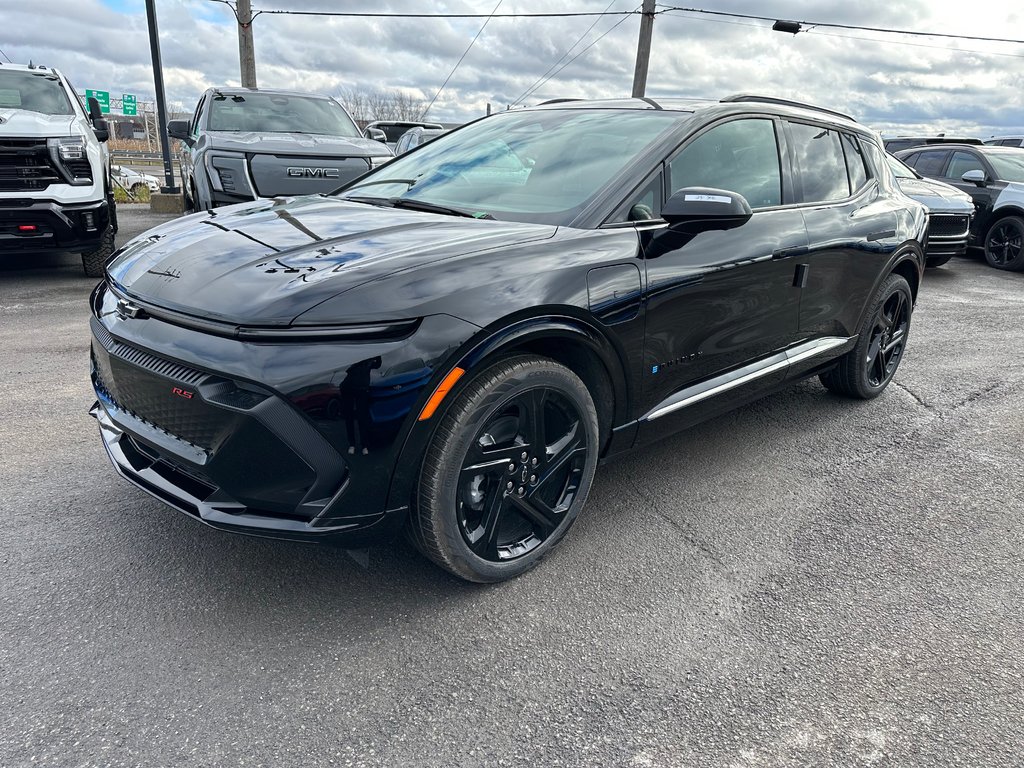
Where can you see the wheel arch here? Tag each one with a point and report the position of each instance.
(998, 214)
(574, 342)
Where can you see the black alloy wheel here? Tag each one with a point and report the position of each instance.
(866, 370)
(1004, 244)
(888, 339)
(508, 470)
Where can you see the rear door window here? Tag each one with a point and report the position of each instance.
(822, 165)
(855, 166)
(963, 162)
(930, 162)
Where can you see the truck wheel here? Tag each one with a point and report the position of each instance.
(94, 262)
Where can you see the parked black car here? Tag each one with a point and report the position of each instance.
(949, 212)
(244, 143)
(900, 143)
(994, 178)
(451, 344)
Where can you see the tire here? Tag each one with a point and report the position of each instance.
(94, 262)
(489, 504)
(189, 193)
(865, 371)
(1004, 244)
(937, 261)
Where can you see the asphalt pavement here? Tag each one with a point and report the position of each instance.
(808, 581)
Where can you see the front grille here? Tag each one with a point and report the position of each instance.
(25, 165)
(177, 371)
(946, 225)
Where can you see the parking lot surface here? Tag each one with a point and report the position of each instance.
(806, 581)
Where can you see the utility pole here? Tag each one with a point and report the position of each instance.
(643, 49)
(161, 100)
(246, 47)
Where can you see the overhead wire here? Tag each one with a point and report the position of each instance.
(463, 56)
(401, 15)
(6, 56)
(570, 61)
(558, 61)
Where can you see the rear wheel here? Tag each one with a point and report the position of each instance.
(1004, 244)
(866, 370)
(507, 471)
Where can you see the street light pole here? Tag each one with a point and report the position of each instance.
(643, 49)
(161, 100)
(246, 46)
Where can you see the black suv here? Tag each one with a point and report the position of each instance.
(454, 341)
(994, 178)
(244, 143)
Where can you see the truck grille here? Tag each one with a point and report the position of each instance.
(25, 165)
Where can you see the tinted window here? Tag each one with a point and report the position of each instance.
(740, 156)
(36, 91)
(1009, 143)
(854, 162)
(819, 156)
(961, 163)
(642, 205)
(1009, 166)
(929, 163)
(274, 112)
(540, 166)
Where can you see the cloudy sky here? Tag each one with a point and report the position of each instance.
(895, 83)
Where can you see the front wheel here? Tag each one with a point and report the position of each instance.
(1004, 244)
(866, 370)
(95, 262)
(507, 471)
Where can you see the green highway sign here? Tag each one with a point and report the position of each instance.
(129, 106)
(103, 97)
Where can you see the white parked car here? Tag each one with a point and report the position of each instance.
(133, 181)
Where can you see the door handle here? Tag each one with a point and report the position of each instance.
(788, 253)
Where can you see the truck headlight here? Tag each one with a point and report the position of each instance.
(69, 156)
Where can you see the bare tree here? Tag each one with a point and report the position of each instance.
(369, 105)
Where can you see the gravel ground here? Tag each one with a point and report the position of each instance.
(805, 582)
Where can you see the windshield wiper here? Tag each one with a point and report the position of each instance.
(421, 205)
(407, 182)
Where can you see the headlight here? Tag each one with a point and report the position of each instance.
(229, 174)
(69, 156)
(379, 160)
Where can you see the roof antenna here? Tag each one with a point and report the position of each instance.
(30, 64)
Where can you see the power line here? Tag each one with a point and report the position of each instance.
(463, 56)
(558, 61)
(668, 12)
(583, 51)
(397, 15)
(6, 57)
(844, 26)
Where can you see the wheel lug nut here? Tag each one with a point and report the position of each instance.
(534, 462)
(524, 456)
(533, 478)
(509, 485)
(511, 467)
(521, 490)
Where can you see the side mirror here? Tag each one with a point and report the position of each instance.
(99, 125)
(700, 209)
(377, 135)
(974, 177)
(178, 129)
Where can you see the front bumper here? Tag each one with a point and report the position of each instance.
(57, 227)
(947, 234)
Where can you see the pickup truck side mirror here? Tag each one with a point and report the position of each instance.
(976, 177)
(377, 135)
(178, 129)
(99, 125)
(700, 209)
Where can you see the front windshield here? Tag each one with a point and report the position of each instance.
(901, 170)
(1008, 164)
(540, 166)
(35, 91)
(277, 113)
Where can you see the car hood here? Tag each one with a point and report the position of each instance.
(23, 123)
(295, 144)
(937, 196)
(267, 262)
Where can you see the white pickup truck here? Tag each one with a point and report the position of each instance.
(55, 190)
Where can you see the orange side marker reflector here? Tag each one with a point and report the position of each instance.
(439, 393)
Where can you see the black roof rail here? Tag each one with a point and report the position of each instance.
(741, 97)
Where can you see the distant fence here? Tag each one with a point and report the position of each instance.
(130, 157)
